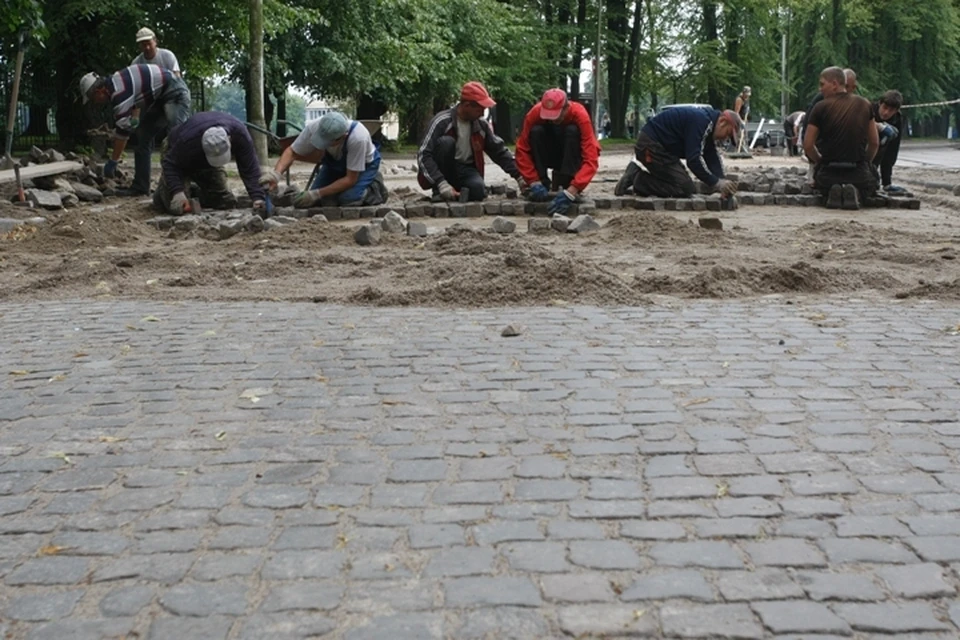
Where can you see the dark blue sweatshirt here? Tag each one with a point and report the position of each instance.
(687, 132)
(185, 153)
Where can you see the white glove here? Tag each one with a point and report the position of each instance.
(271, 179)
(727, 187)
(259, 205)
(178, 203)
(446, 191)
(522, 184)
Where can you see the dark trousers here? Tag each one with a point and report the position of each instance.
(170, 110)
(460, 176)
(556, 147)
(862, 175)
(789, 130)
(213, 190)
(665, 175)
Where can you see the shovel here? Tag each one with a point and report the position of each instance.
(8, 162)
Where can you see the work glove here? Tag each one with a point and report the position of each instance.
(179, 204)
(726, 187)
(270, 180)
(447, 192)
(306, 199)
(887, 133)
(110, 169)
(134, 122)
(561, 204)
(259, 206)
(522, 184)
(539, 193)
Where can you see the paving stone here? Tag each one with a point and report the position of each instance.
(216, 566)
(576, 587)
(747, 507)
(574, 530)
(710, 621)
(902, 483)
(811, 507)
(785, 553)
(513, 623)
(652, 530)
(937, 548)
(604, 554)
(429, 536)
(277, 497)
(203, 600)
(890, 617)
(507, 531)
(547, 490)
(208, 628)
(933, 525)
(418, 471)
(41, 607)
(800, 617)
(539, 557)
(687, 584)
(281, 626)
(484, 591)
(599, 620)
(607, 509)
(682, 487)
(821, 484)
(126, 601)
(303, 596)
(762, 486)
(166, 568)
(838, 586)
(290, 565)
(469, 493)
(707, 554)
(50, 571)
(610, 489)
(461, 561)
(729, 527)
(848, 550)
(762, 584)
(916, 581)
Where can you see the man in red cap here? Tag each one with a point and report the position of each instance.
(450, 158)
(557, 134)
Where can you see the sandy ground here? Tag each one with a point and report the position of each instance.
(637, 257)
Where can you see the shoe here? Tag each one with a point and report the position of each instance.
(835, 197)
(130, 193)
(892, 188)
(851, 197)
(626, 180)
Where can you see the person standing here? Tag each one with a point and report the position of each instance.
(791, 129)
(150, 53)
(165, 103)
(557, 134)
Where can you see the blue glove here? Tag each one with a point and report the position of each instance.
(888, 133)
(110, 169)
(539, 193)
(561, 203)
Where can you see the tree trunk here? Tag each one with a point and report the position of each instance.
(38, 121)
(267, 106)
(255, 96)
(577, 59)
(652, 30)
(563, 57)
(621, 60)
(710, 35)
(281, 115)
(503, 123)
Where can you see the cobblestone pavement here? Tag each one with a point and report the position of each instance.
(748, 469)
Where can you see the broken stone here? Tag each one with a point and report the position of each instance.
(68, 200)
(778, 188)
(161, 222)
(52, 155)
(393, 222)
(186, 223)
(458, 210)
(284, 220)
(254, 224)
(492, 208)
(271, 224)
(560, 222)
(792, 188)
(35, 155)
(9, 224)
(417, 210)
(367, 235)
(582, 224)
(714, 224)
(512, 193)
(498, 189)
(511, 331)
(508, 208)
(86, 193)
(44, 199)
(230, 228)
(502, 225)
(474, 209)
(417, 229)
(538, 225)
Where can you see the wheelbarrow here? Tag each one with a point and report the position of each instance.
(283, 143)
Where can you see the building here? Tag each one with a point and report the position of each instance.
(317, 109)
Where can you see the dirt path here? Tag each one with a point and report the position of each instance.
(108, 250)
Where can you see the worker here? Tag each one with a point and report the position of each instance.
(165, 103)
(150, 53)
(690, 133)
(557, 134)
(742, 104)
(890, 123)
(349, 162)
(450, 158)
(841, 141)
(197, 151)
(791, 129)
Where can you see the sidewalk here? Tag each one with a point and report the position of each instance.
(744, 469)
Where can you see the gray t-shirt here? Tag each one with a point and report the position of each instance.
(464, 154)
(164, 59)
(360, 149)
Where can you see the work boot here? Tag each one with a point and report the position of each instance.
(835, 197)
(850, 197)
(626, 180)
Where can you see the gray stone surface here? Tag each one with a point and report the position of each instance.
(457, 484)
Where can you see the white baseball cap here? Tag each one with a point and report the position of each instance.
(216, 146)
(145, 34)
(86, 83)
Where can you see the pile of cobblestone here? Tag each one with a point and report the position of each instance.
(67, 190)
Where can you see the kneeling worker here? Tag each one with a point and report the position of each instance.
(349, 164)
(557, 134)
(886, 113)
(681, 132)
(197, 151)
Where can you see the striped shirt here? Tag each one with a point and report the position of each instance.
(137, 86)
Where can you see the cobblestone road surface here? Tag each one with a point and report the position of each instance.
(724, 470)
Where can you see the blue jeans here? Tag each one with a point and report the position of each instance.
(329, 174)
(169, 111)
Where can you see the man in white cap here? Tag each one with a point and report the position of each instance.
(150, 53)
(349, 164)
(163, 99)
(198, 150)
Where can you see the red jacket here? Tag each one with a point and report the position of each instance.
(589, 147)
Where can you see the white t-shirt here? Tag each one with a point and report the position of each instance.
(164, 59)
(360, 149)
(464, 154)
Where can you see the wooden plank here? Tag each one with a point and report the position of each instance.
(38, 170)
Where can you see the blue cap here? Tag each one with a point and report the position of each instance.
(331, 126)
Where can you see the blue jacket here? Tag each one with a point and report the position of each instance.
(185, 155)
(687, 132)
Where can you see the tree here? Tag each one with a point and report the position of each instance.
(255, 86)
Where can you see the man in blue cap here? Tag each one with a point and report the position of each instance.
(349, 164)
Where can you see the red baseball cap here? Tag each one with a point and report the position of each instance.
(476, 92)
(552, 103)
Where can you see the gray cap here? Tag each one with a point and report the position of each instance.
(331, 126)
(216, 146)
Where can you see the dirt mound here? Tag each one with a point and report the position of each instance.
(643, 228)
(729, 282)
(945, 290)
(307, 234)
